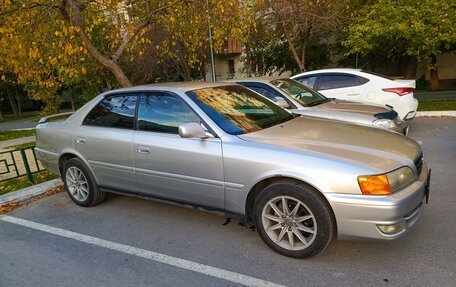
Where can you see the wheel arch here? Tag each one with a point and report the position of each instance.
(69, 154)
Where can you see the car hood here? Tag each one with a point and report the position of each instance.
(358, 113)
(370, 147)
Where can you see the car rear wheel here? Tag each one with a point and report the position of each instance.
(293, 219)
(80, 184)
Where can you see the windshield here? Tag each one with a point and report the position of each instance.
(299, 92)
(237, 110)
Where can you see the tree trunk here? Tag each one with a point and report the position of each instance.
(19, 107)
(249, 65)
(186, 73)
(12, 101)
(434, 73)
(410, 68)
(303, 55)
(73, 104)
(248, 70)
(293, 49)
(106, 62)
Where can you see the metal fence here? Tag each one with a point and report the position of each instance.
(18, 163)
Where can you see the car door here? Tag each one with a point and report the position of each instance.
(105, 141)
(187, 170)
(340, 86)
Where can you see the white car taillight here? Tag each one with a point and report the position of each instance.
(399, 91)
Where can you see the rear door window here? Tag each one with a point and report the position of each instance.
(114, 111)
(327, 82)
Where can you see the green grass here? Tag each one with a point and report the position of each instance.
(444, 105)
(24, 145)
(9, 135)
(23, 182)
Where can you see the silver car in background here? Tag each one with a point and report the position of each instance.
(222, 147)
(302, 100)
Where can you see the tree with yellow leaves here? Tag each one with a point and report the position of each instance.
(48, 43)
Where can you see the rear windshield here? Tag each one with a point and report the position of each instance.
(377, 74)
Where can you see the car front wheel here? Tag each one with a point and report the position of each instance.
(293, 219)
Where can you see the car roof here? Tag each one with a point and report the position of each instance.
(332, 70)
(183, 86)
(256, 79)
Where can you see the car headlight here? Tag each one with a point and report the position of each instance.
(387, 183)
(384, 123)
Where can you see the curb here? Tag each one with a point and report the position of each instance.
(29, 192)
(436, 114)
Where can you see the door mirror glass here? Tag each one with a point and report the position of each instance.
(193, 130)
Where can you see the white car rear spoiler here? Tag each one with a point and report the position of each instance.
(406, 83)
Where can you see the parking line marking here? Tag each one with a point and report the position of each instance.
(143, 253)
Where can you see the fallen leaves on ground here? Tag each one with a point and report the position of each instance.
(12, 205)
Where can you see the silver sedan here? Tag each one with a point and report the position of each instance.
(224, 148)
(300, 99)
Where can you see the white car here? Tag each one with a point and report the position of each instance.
(363, 86)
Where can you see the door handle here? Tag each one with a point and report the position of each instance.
(143, 149)
(80, 140)
(353, 94)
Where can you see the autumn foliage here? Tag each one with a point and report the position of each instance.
(50, 45)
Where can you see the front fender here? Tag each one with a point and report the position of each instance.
(236, 195)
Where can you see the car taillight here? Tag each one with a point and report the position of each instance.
(399, 91)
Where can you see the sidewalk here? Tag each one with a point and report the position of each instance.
(29, 192)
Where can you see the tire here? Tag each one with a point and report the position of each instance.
(80, 184)
(310, 223)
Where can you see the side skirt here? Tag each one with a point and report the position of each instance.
(243, 219)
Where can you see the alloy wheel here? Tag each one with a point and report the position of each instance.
(289, 223)
(77, 184)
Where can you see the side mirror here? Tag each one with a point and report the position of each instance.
(193, 130)
(282, 103)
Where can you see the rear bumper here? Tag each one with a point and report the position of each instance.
(406, 106)
(358, 216)
(50, 160)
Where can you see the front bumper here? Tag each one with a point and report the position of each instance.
(358, 216)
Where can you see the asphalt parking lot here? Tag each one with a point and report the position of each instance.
(128, 241)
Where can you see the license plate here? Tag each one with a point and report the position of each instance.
(428, 185)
